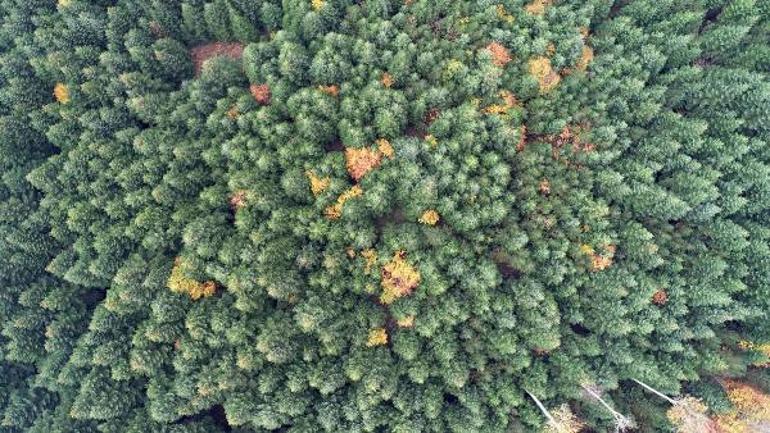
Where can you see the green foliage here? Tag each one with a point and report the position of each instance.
(597, 175)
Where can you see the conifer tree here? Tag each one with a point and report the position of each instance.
(408, 216)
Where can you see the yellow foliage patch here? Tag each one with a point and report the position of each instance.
(385, 148)
(509, 101)
(64, 3)
(689, 415)
(335, 211)
(232, 113)
(317, 4)
(62, 93)
(431, 140)
(550, 49)
(179, 282)
(361, 161)
(565, 421)
(586, 57)
(751, 408)
(453, 66)
(496, 109)
(377, 337)
(537, 7)
(406, 322)
(503, 14)
(317, 184)
(370, 256)
(547, 78)
(399, 278)
(748, 400)
(731, 423)
(429, 217)
(763, 348)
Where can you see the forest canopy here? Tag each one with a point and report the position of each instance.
(376, 216)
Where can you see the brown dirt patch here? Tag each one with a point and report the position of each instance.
(201, 53)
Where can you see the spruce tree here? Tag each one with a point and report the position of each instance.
(402, 216)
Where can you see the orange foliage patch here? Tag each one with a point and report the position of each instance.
(61, 93)
(232, 113)
(660, 297)
(429, 217)
(545, 187)
(361, 161)
(201, 53)
(332, 90)
(500, 54)
(599, 262)
(522, 138)
(261, 93)
(317, 184)
(387, 80)
(238, 199)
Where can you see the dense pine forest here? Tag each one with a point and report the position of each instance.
(384, 216)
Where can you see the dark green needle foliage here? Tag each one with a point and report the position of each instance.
(401, 216)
